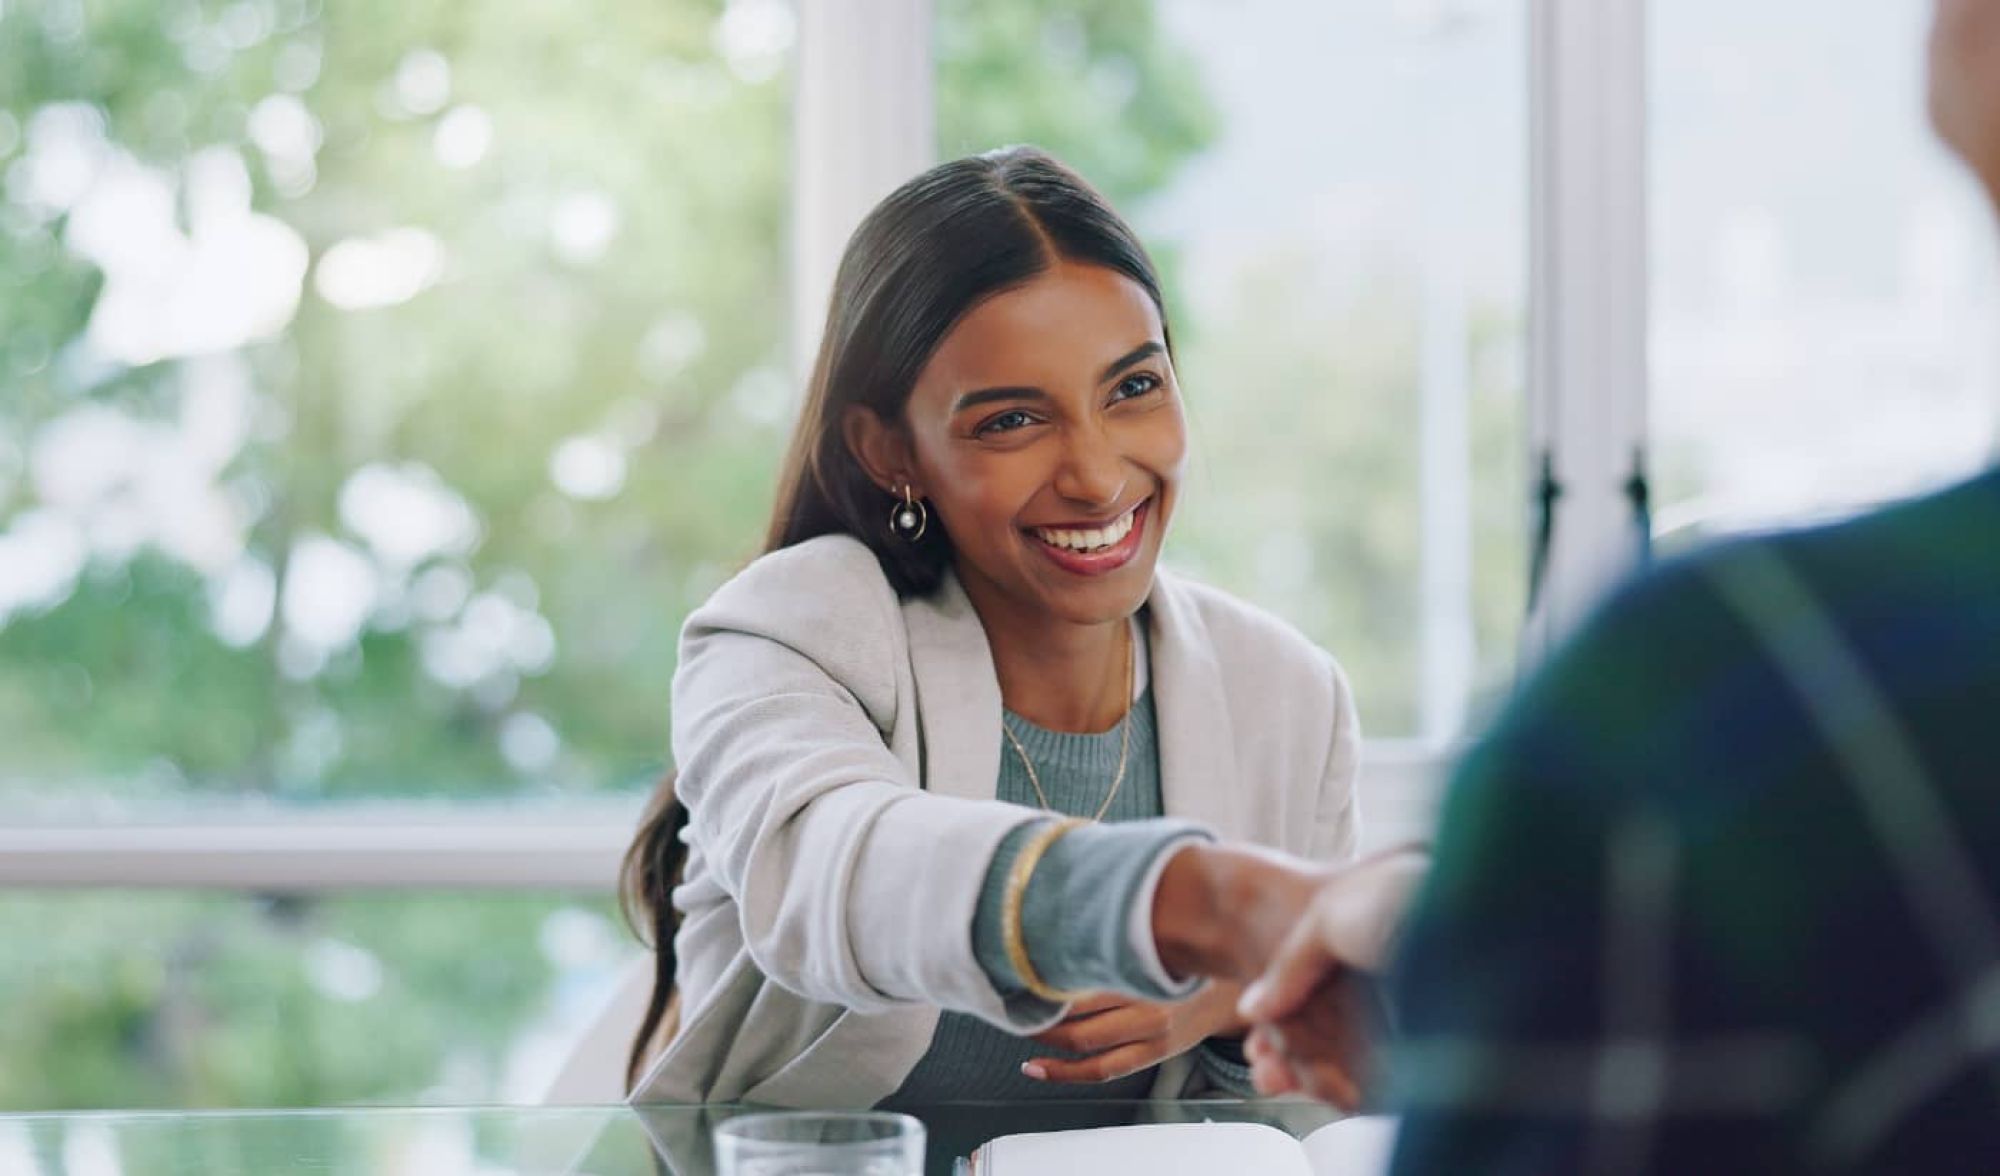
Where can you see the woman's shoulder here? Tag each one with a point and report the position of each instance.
(1250, 643)
(827, 594)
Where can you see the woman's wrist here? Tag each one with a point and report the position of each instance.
(1220, 911)
(1184, 930)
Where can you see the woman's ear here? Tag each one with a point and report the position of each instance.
(883, 449)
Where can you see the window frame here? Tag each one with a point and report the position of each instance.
(1588, 290)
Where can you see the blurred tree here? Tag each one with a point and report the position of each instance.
(1097, 84)
(379, 386)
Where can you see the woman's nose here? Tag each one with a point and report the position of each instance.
(1093, 470)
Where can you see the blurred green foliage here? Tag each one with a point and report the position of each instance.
(140, 1000)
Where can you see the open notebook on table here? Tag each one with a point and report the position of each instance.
(1350, 1147)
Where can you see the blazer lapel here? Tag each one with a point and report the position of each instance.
(958, 694)
(958, 705)
(1198, 779)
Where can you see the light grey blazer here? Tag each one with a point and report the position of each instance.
(839, 749)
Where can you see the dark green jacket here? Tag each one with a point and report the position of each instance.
(1721, 890)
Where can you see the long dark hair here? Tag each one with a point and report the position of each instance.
(935, 248)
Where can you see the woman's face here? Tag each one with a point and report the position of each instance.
(1047, 433)
(1965, 82)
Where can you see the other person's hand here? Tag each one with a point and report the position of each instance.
(1313, 1008)
(1327, 1049)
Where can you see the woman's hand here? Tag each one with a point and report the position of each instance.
(1121, 1036)
(1223, 910)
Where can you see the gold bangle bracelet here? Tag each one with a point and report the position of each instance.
(1016, 896)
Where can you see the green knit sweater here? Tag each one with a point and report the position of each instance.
(1070, 929)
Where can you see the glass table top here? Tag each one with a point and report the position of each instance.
(513, 1141)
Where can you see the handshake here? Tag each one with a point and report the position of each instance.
(1305, 940)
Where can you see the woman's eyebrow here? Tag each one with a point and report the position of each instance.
(1146, 350)
(989, 395)
(981, 396)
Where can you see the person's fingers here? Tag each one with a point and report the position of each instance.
(1106, 1030)
(1101, 1067)
(1332, 1024)
(1325, 1083)
(1349, 925)
(1270, 1070)
(1329, 1083)
(1271, 1076)
(1097, 1002)
(1359, 921)
(1301, 965)
(1324, 1048)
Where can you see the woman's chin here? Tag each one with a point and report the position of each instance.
(1104, 599)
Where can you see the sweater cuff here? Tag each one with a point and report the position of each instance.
(1139, 922)
(1077, 940)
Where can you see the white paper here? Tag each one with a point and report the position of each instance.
(1350, 1147)
(1154, 1149)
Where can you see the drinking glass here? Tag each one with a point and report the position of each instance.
(820, 1143)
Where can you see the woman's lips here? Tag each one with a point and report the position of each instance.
(1104, 559)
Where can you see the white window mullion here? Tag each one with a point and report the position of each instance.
(1587, 386)
(863, 123)
(495, 848)
(1448, 649)
(365, 848)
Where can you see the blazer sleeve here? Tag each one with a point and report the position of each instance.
(1337, 813)
(853, 885)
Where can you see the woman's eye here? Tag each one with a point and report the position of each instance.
(1133, 386)
(1006, 422)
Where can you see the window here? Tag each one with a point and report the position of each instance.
(1337, 196)
(1822, 314)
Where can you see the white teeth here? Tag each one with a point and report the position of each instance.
(1095, 540)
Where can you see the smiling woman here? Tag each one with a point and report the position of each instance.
(959, 643)
(1051, 449)
(1053, 469)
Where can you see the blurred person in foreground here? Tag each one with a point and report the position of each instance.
(1721, 892)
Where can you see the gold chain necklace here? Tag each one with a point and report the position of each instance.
(1124, 741)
